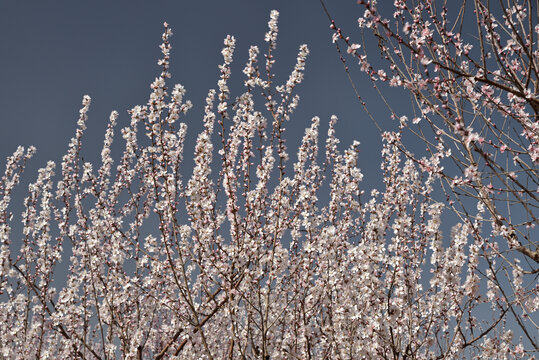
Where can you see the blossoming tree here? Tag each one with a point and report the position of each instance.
(247, 257)
(471, 70)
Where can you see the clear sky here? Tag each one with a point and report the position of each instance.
(54, 52)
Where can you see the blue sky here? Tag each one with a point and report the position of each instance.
(54, 52)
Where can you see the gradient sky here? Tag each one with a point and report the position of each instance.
(54, 52)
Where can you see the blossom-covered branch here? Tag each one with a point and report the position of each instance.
(475, 106)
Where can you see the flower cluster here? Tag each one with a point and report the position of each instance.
(475, 107)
